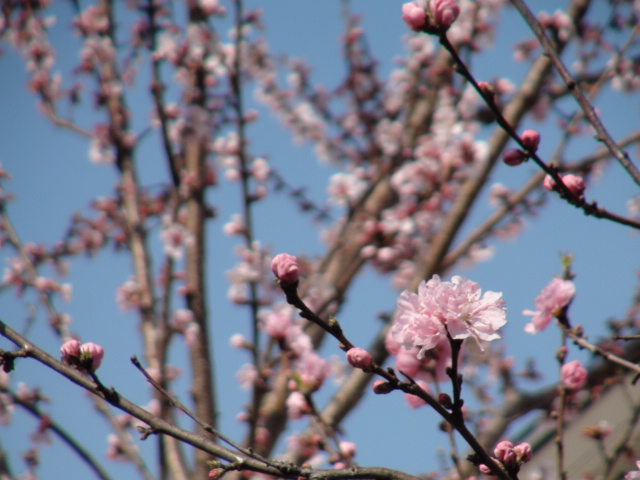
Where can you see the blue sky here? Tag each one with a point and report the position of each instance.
(52, 178)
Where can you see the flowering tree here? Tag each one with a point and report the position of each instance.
(171, 100)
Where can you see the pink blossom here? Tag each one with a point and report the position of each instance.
(530, 140)
(359, 358)
(239, 341)
(573, 375)
(574, 183)
(414, 15)
(91, 356)
(633, 474)
(551, 300)
(413, 400)
(514, 157)
(505, 453)
(277, 324)
(247, 376)
(297, 406)
(285, 268)
(70, 351)
(175, 238)
(444, 12)
(312, 369)
(455, 307)
(348, 449)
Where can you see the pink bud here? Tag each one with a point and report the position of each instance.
(574, 183)
(505, 453)
(359, 358)
(381, 387)
(523, 452)
(444, 12)
(91, 355)
(514, 157)
(348, 449)
(573, 375)
(285, 268)
(414, 15)
(530, 140)
(70, 351)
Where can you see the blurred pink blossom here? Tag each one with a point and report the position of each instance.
(553, 297)
(413, 400)
(444, 12)
(414, 15)
(573, 375)
(297, 406)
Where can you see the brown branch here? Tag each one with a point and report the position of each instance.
(551, 52)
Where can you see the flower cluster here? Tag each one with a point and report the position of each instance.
(510, 456)
(456, 309)
(87, 357)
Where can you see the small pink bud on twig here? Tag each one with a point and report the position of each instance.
(70, 351)
(444, 12)
(359, 358)
(414, 15)
(514, 157)
(91, 356)
(530, 140)
(381, 387)
(285, 268)
(573, 375)
(574, 183)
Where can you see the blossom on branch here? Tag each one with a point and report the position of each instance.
(359, 358)
(285, 268)
(549, 303)
(457, 309)
(573, 375)
(444, 12)
(414, 15)
(574, 183)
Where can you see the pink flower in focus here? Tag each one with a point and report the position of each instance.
(523, 452)
(413, 400)
(359, 358)
(444, 12)
(91, 356)
(573, 375)
(514, 157)
(414, 15)
(574, 183)
(285, 268)
(504, 452)
(530, 140)
(553, 297)
(70, 351)
(456, 307)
